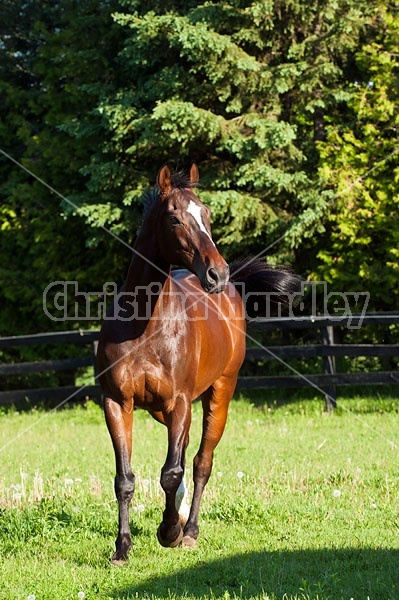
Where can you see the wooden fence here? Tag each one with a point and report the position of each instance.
(325, 382)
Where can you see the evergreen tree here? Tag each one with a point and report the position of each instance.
(241, 88)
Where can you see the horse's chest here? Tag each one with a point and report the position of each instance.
(154, 382)
(156, 368)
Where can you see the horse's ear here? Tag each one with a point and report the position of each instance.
(164, 180)
(194, 174)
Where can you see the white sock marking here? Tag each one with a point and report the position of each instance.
(181, 501)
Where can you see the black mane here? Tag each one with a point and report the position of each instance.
(148, 199)
(181, 181)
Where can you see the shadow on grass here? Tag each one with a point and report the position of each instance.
(323, 575)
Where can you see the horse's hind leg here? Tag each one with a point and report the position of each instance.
(215, 403)
(120, 421)
(178, 423)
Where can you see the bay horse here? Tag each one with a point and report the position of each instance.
(172, 337)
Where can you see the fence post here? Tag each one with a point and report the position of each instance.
(327, 336)
(95, 346)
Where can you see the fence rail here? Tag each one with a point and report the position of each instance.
(326, 382)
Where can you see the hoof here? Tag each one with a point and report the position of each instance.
(118, 562)
(122, 546)
(189, 542)
(170, 543)
(119, 558)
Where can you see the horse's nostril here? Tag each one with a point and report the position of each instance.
(213, 275)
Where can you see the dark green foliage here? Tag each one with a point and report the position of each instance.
(361, 158)
(51, 73)
(243, 91)
(284, 105)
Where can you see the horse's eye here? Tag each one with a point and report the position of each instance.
(174, 220)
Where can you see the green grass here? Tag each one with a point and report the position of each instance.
(315, 514)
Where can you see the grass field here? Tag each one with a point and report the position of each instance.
(299, 505)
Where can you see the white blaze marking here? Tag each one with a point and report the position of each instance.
(195, 211)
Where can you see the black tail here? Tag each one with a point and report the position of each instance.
(264, 289)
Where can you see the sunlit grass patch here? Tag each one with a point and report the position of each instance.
(299, 505)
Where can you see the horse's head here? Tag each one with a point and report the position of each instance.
(184, 233)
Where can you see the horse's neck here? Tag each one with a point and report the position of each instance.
(148, 275)
(147, 265)
(144, 272)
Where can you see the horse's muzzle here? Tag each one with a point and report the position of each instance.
(216, 280)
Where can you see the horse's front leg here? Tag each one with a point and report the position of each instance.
(178, 422)
(120, 421)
